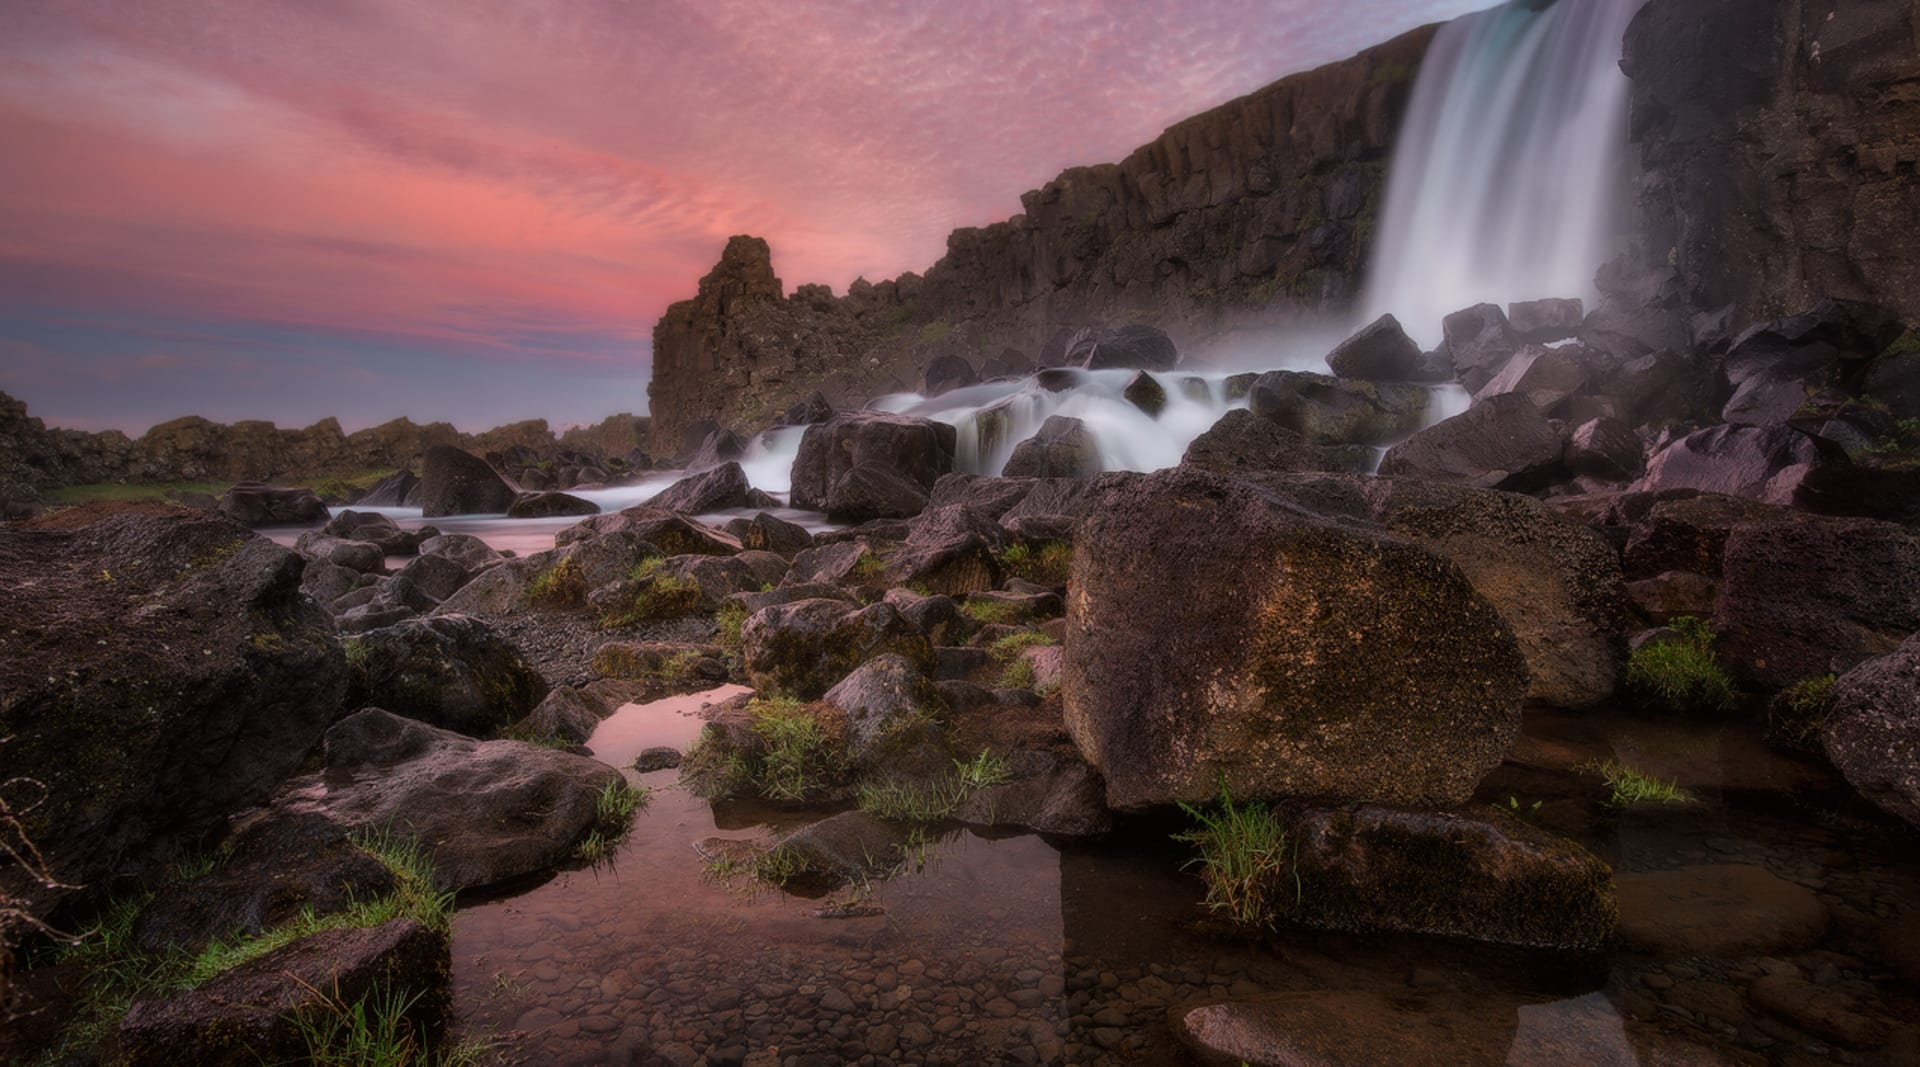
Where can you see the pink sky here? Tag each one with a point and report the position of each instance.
(475, 211)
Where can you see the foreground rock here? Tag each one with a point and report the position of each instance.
(806, 647)
(1873, 736)
(1501, 443)
(1244, 443)
(1213, 630)
(1380, 351)
(1476, 875)
(485, 811)
(450, 671)
(158, 669)
(453, 482)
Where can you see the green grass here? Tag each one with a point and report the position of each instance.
(1008, 648)
(644, 569)
(712, 768)
(1629, 788)
(1682, 675)
(983, 770)
(992, 612)
(1797, 713)
(111, 491)
(375, 1031)
(869, 569)
(562, 585)
(612, 820)
(1242, 854)
(727, 623)
(346, 486)
(664, 597)
(1045, 563)
(1019, 674)
(801, 760)
(931, 802)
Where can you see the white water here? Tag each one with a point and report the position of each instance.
(1510, 166)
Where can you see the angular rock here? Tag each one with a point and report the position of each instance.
(1545, 376)
(1242, 442)
(1873, 735)
(880, 696)
(806, 647)
(1050, 792)
(1539, 322)
(874, 491)
(814, 409)
(435, 576)
(567, 714)
(362, 556)
(550, 505)
(465, 549)
(850, 846)
(1775, 464)
(1214, 630)
(450, 671)
(947, 373)
(1479, 341)
(1145, 393)
(372, 526)
(255, 504)
(916, 450)
(770, 533)
(1063, 447)
(400, 489)
(1501, 443)
(453, 482)
(1133, 347)
(1606, 449)
(1380, 351)
(1334, 411)
(717, 489)
(672, 534)
(717, 447)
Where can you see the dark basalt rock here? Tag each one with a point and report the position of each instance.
(567, 714)
(947, 373)
(1133, 347)
(880, 697)
(814, 409)
(255, 504)
(1479, 341)
(1873, 735)
(362, 556)
(1216, 630)
(1242, 442)
(1606, 449)
(718, 489)
(400, 489)
(806, 647)
(550, 505)
(451, 671)
(1545, 376)
(770, 533)
(1333, 411)
(912, 451)
(1503, 442)
(372, 526)
(1146, 393)
(874, 491)
(1063, 447)
(453, 482)
(1775, 464)
(465, 549)
(160, 668)
(672, 534)
(1539, 322)
(1380, 351)
(717, 447)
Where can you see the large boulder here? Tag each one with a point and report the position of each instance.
(374, 527)
(881, 696)
(1806, 595)
(1478, 875)
(484, 811)
(256, 504)
(673, 534)
(1542, 322)
(453, 482)
(550, 505)
(1503, 442)
(451, 671)
(1777, 464)
(949, 372)
(1335, 411)
(1063, 447)
(1479, 341)
(1380, 351)
(159, 668)
(1217, 633)
(717, 489)
(806, 647)
(1545, 376)
(913, 450)
(1242, 442)
(1128, 347)
(401, 489)
(1873, 735)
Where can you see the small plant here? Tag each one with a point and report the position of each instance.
(663, 597)
(778, 866)
(1018, 674)
(901, 802)
(644, 569)
(1682, 675)
(374, 1031)
(1630, 787)
(713, 770)
(1242, 855)
(1528, 812)
(1045, 563)
(869, 569)
(983, 770)
(801, 758)
(992, 612)
(612, 820)
(1797, 713)
(562, 585)
(1008, 648)
(727, 623)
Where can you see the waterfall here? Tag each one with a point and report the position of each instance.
(1509, 166)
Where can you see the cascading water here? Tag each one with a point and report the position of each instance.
(1509, 166)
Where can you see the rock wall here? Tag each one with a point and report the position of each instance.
(1778, 144)
(1255, 213)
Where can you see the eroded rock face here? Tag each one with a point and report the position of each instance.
(806, 647)
(451, 671)
(1503, 442)
(1334, 411)
(1063, 447)
(1215, 630)
(1873, 736)
(1380, 351)
(159, 668)
(453, 482)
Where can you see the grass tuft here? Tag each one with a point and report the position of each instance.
(562, 585)
(1045, 563)
(801, 759)
(612, 820)
(1796, 714)
(1630, 788)
(664, 597)
(1018, 674)
(727, 623)
(1682, 675)
(1007, 649)
(992, 612)
(1242, 854)
(869, 569)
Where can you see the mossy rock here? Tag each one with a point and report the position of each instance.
(805, 648)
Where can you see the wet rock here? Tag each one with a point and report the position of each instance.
(718, 489)
(1606, 449)
(718, 577)
(567, 714)
(550, 505)
(327, 582)
(1501, 443)
(451, 671)
(1380, 351)
(1478, 341)
(362, 556)
(814, 409)
(485, 811)
(1146, 393)
(1545, 376)
(672, 534)
(1681, 530)
(1063, 447)
(770, 533)
(435, 576)
(256, 504)
(1478, 875)
(953, 567)
(1775, 464)
(1873, 734)
(1294, 655)
(1133, 347)
(453, 482)
(1540, 322)
(719, 446)
(466, 550)
(805, 648)
(246, 1013)
(881, 696)
(842, 848)
(401, 489)
(1333, 411)
(161, 669)
(1723, 910)
(874, 491)
(1809, 595)
(372, 526)
(658, 758)
(949, 372)
(1242, 442)
(1050, 792)
(938, 617)
(910, 450)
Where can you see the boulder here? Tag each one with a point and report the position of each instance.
(1049, 792)
(717, 489)
(1478, 875)
(484, 811)
(1540, 322)
(1503, 442)
(1777, 464)
(947, 373)
(1334, 411)
(1545, 376)
(1217, 633)
(1133, 347)
(1665, 387)
(1242, 442)
(450, 671)
(849, 847)
(1873, 735)
(1146, 393)
(670, 533)
(1380, 351)
(453, 482)
(770, 533)
(717, 447)
(1808, 595)
(550, 505)
(362, 556)
(372, 526)
(159, 669)
(465, 549)
(881, 696)
(1478, 342)
(567, 714)
(806, 647)
(255, 504)
(1681, 530)
(816, 408)
(1606, 449)
(435, 576)
(916, 450)
(874, 491)
(401, 489)
(1063, 447)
